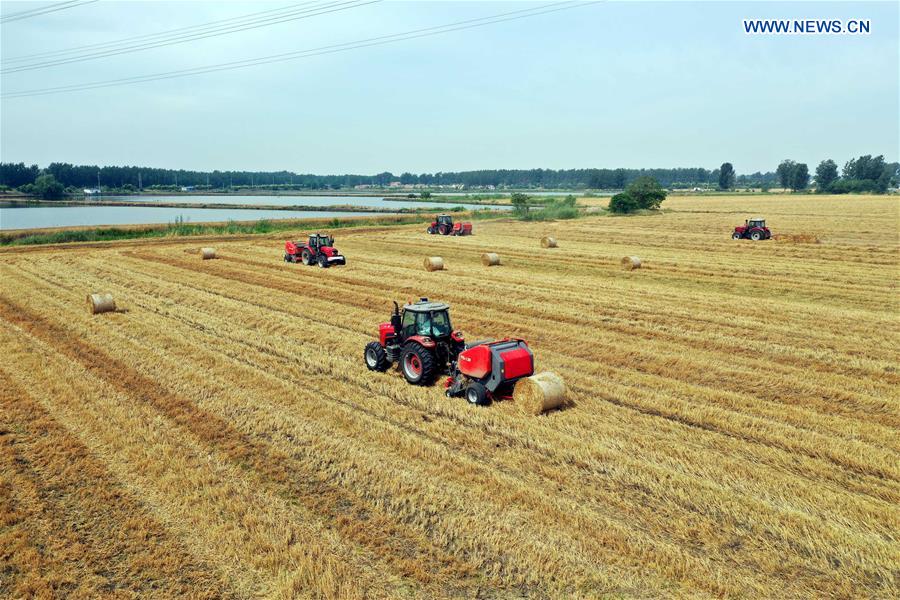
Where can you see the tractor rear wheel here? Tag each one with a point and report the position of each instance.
(476, 394)
(306, 257)
(736, 236)
(376, 357)
(417, 364)
(756, 236)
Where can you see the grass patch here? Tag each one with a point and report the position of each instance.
(553, 208)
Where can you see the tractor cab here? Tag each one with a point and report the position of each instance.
(760, 223)
(444, 220)
(319, 240)
(426, 319)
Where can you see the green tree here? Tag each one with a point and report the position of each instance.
(647, 192)
(826, 174)
(800, 177)
(623, 202)
(784, 172)
(726, 176)
(46, 186)
(642, 193)
(520, 203)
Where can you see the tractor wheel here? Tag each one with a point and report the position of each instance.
(756, 236)
(476, 394)
(736, 236)
(417, 364)
(287, 258)
(323, 261)
(430, 230)
(306, 257)
(376, 357)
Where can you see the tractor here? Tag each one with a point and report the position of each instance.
(444, 225)
(754, 229)
(318, 250)
(421, 339)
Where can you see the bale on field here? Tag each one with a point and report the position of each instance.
(101, 303)
(630, 263)
(207, 253)
(548, 242)
(434, 263)
(490, 259)
(539, 393)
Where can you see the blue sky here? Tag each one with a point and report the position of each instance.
(613, 84)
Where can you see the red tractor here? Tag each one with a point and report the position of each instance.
(753, 229)
(422, 341)
(318, 250)
(444, 225)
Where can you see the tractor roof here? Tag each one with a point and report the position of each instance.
(757, 219)
(424, 305)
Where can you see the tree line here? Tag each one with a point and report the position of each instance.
(863, 174)
(15, 175)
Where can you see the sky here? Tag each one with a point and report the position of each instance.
(603, 85)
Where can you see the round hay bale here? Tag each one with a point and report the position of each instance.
(434, 263)
(207, 253)
(539, 393)
(490, 259)
(629, 263)
(548, 242)
(101, 303)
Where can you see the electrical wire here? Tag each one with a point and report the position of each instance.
(302, 14)
(376, 41)
(36, 12)
(130, 39)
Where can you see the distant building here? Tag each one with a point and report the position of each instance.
(91, 191)
(187, 188)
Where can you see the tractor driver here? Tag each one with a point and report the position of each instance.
(423, 324)
(440, 324)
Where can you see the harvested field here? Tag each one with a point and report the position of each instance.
(731, 427)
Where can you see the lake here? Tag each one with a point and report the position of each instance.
(70, 216)
(324, 201)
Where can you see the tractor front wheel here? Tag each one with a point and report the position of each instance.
(417, 364)
(476, 394)
(430, 230)
(756, 236)
(323, 261)
(376, 357)
(736, 236)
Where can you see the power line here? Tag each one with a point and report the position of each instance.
(36, 12)
(376, 41)
(181, 39)
(150, 35)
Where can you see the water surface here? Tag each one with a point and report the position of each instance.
(37, 217)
